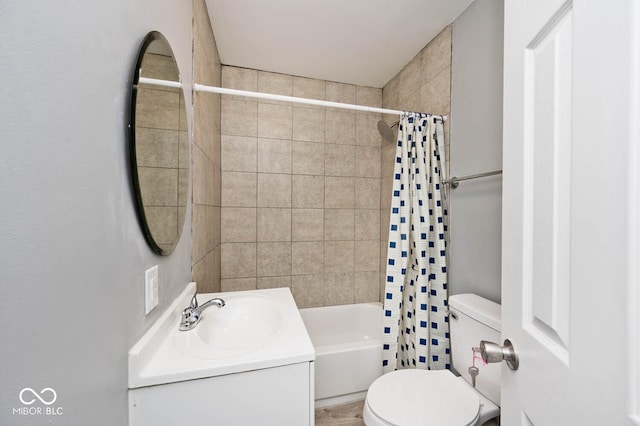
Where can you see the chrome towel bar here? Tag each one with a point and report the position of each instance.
(454, 181)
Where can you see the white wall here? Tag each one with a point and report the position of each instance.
(476, 147)
(73, 256)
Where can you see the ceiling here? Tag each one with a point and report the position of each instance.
(364, 42)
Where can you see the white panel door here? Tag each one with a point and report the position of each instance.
(569, 286)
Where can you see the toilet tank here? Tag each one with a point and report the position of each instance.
(473, 319)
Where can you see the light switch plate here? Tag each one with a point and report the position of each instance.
(150, 289)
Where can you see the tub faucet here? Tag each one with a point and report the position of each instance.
(192, 314)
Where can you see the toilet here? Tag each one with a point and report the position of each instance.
(438, 397)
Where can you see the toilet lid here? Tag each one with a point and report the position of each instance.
(421, 397)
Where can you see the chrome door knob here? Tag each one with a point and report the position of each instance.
(493, 352)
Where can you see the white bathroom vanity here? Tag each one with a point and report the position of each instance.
(249, 362)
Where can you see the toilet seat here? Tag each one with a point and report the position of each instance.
(420, 397)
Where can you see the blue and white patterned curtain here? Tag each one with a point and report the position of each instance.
(416, 327)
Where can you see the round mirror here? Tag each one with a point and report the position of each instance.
(159, 143)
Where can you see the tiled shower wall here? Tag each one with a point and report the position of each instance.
(424, 85)
(300, 190)
(206, 155)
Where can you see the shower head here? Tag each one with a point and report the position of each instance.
(386, 130)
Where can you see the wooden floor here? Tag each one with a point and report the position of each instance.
(341, 415)
(351, 415)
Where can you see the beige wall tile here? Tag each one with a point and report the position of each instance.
(308, 191)
(203, 239)
(367, 193)
(277, 84)
(274, 121)
(204, 221)
(339, 224)
(385, 219)
(274, 282)
(216, 214)
(307, 257)
(308, 124)
(339, 160)
(367, 255)
(274, 190)
(388, 161)
(239, 153)
(367, 161)
(157, 109)
(414, 102)
(239, 78)
(206, 62)
(274, 224)
(308, 158)
(238, 260)
(214, 190)
(339, 192)
(238, 189)
(239, 117)
(369, 96)
(216, 220)
(238, 284)
(309, 88)
(340, 127)
(206, 272)
(339, 288)
(206, 129)
(163, 223)
(390, 93)
(156, 147)
(274, 259)
(160, 67)
(159, 186)
(436, 94)
(308, 290)
(203, 175)
(367, 224)
(338, 256)
(367, 130)
(437, 55)
(238, 225)
(307, 224)
(410, 79)
(339, 92)
(274, 156)
(367, 287)
(184, 150)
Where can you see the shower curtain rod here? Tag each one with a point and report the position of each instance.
(221, 90)
(454, 181)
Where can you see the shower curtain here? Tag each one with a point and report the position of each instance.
(416, 325)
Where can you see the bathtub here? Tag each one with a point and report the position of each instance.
(348, 344)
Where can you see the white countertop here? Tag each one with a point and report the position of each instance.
(156, 358)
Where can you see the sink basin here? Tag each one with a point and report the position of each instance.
(244, 324)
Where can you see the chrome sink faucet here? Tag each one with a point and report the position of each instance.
(192, 314)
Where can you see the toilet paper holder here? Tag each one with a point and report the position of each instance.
(493, 352)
